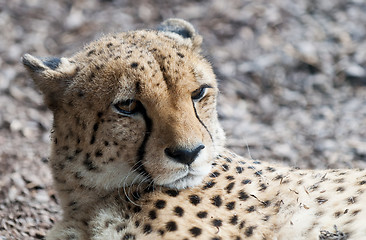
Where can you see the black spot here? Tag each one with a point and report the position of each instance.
(91, 52)
(270, 169)
(246, 181)
(230, 177)
(251, 209)
(92, 140)
(249, 231)
(180, 55)
(109, 45)
(217, 222)
(321, 200)
(355, 212)
(120, 227)
(239, 169)
(134, 65)
(98, 153)
(137, 223)
(171, 226)
(202, 214)
(160, 204)
(137, 209)
(147, 229)
(195, 231)
(243, 196)
(258, 173)
(179, 211)
(172, 192)
(229, 187)
(95, 127)
(128, 236)
(209, 184)
(242, 224)
(228, 159)
(216, 201)
(225, 167)
(234, 220)
(77, 151)
(81, 94)
(340, 189)
(363, 182)
(161, 232)
(194, 199)
(214, 174)
(106, 143)
(337, 214)
(351, 200)
(230, 205)
(263, 187)
(88, 163)
(152, 215)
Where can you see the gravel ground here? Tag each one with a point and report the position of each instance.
(292, 77)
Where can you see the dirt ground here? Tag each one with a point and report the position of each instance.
(292, 79)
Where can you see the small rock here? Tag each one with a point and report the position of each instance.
(42, 196)
(12, 193)
(18, 180)
(74, 20)
(355, 70)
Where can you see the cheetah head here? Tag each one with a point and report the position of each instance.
(132, 107)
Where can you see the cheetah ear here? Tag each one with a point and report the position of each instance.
(51, 75)
(182, 31)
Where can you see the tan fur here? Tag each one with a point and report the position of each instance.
(116, 180)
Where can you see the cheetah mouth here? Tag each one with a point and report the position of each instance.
(187, 179)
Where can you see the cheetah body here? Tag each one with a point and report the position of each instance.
(137, 152)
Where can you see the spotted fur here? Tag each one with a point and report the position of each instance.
(137, 152)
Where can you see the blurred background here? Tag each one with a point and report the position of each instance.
(291, 73)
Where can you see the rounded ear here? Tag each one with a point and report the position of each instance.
(182, 31)
(51, 75)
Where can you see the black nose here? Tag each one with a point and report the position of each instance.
(184, 155)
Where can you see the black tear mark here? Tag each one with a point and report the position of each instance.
(195, 112)
(142, 149)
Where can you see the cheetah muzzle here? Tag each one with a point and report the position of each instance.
(138, 152)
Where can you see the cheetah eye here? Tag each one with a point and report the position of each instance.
(200, 93)
(127, 107)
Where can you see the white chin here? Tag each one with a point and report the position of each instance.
(186, 182)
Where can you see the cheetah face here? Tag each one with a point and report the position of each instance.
(131, 108)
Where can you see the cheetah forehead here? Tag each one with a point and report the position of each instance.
(139, 62)
(127, 63)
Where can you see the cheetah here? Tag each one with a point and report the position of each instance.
(138, 152)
